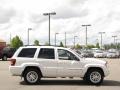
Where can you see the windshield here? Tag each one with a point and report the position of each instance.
(99, 51)
(77, 53)
(112, 52)
(86, 52)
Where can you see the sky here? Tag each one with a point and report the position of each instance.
(16, 16)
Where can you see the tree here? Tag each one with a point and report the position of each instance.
(46, 44)
(36, 42)
(78, 46)
(90, 46)
(109, 46)
(16, 42)
(97, 45)
(61, 44)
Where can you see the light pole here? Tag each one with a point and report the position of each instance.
(65, 39)
(86, 32)
(55, 38)
(101, 33)
(49, 14)
(117, 40)
(74, 41)
(114, 39)
(10, 38)
(115, 43)
(28, 34)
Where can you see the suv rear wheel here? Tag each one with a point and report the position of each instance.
(4, 58)
(32, 76)
(94, 76)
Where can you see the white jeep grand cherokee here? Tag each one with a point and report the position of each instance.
(35, 62)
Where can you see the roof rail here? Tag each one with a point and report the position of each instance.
(42, 45)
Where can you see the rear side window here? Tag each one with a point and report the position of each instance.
(27, 52)
(46, 53)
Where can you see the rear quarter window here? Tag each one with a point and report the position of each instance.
(27, 52)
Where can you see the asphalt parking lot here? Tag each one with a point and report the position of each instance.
(8, 82)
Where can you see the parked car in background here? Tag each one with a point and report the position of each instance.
(78, 51)
(112, 54)
(7, 52)
(99, 54)
(87, 53)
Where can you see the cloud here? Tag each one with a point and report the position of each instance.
(68, 12)
(37, 18)
(77, 2)
(6, 14)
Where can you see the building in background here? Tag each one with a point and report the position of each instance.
(2, 45)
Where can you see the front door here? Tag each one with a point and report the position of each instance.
(68, 64)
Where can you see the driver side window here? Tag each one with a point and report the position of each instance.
(66, 55)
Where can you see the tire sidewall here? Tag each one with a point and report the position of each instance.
(89, 73)
(29, 70)
(4, 58)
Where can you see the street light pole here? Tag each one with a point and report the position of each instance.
(115, 43)
(86, 32)
(49, 14)
(74, 41)
(65, 39)
(55, 38)
(114, 39)
(101, 33)
(28, 34)
(10, 38)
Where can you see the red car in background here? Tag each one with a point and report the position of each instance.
(7, 52)
(1, 49)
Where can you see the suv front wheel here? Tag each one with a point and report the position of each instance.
(32, 76)
(94, 76)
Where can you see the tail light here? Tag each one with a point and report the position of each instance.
(12, 62)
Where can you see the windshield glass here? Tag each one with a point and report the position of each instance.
(112, 52)
(77, 53)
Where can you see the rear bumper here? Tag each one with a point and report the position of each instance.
(15, 70)
(111, 56)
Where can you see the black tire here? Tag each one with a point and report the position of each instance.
(84, 79)
(4, 58)
(91, 79)
(36, 74)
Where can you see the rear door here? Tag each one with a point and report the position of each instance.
(46, 58)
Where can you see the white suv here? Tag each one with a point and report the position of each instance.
(36, 62)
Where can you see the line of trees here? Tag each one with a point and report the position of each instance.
(16, 42)
(114, 46)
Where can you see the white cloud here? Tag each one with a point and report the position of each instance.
(6, 14)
